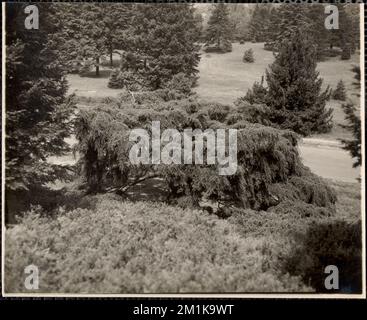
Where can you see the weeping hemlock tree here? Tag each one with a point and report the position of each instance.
(37, 112)
(293, 97)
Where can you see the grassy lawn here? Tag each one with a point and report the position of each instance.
(224, 78)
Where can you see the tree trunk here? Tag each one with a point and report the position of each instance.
(97, 67)
(111, 57)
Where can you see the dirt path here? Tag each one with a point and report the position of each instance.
(329, 162)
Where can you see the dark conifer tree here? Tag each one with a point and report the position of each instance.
(37, 111)
(353, 125)
(219, 26)
(93, 30)
(320, 35)
(339, 93)
(260, 23)
(294, 93)
(163, 39)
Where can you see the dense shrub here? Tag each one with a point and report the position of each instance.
(346, 53)
(154, 98)
(334, 52)
(253, 113)
(248, 56)
(267, 157)
(339, 93)
(256, 95)
(125, 79)
(218, 112)
(181, 83)
(336, 243)
(268, 46)
(306, 187)
(124, 247)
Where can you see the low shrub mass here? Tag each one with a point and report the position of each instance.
(337, 243)
(125, 80)
(124, 247)
(248, 56)
(105, 245)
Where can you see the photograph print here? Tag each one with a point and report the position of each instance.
(182, 149)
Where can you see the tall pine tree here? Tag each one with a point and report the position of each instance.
(260, 23)
(219, 27)
(37, 111)
(319, 34)
(293, 96)
(294, 88)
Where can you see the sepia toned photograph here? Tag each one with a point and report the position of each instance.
(183, 149)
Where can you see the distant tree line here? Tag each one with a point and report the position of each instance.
(154, 41)
(271, 24)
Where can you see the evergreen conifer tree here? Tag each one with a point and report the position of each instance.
(294, 93)
(162, 40)
(248, 56)
(260, 23)
(219, 26)
(37, 110)
(339, 93)
(353, 125)
(320, 35)
(91, 30)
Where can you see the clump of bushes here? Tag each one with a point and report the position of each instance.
(248, 56)
(269, 46)
(339, 93)
(125, 247)
(346, 52)
(125, 79)
(336, 243)
(332, 52)
(181, 83)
